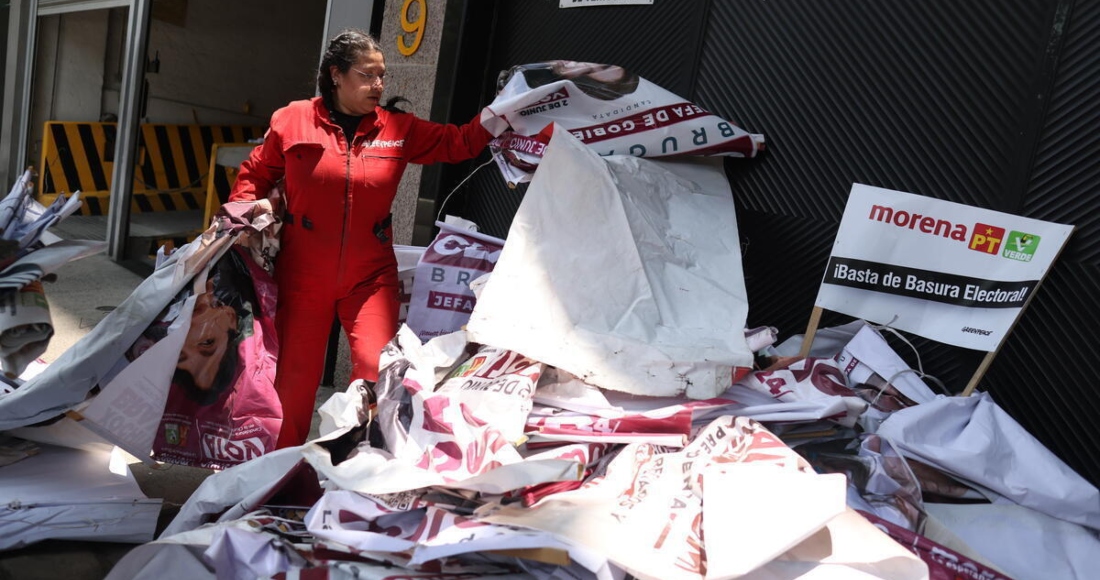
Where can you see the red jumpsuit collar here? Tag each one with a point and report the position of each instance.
(371, 121)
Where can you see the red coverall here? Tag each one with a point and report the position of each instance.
(336, 251)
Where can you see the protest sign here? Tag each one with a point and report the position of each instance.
(949, 272)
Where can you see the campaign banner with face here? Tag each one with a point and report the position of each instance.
(611, 109)
(945, 271)
(221, 408)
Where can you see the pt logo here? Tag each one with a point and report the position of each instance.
(1020, 246)
(986, 238)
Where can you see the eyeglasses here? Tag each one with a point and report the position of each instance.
(371, 78)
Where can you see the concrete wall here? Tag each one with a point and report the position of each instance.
(224, 62)
(234, 62)
(4, 11)
(68, 76)
(220, 63)
(347, 14)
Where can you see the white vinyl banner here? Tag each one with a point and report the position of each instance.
(945, 271)
(583, 3)
(625, 272)
(612, 110)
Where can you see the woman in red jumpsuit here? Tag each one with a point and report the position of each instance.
(342, 156)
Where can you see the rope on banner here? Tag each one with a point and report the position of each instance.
(439, 215)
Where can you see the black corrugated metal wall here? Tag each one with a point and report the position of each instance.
(991, 103)
(1050, 368)
(536, 30)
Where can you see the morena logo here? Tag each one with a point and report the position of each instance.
(986, 238)
(917, 222)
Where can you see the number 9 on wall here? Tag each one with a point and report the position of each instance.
(414, 27)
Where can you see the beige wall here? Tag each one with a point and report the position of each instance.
(230, 62)
(68, 78)
(220, 63)
(234, 62)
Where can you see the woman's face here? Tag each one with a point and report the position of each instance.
(359, 90)
(207, 340)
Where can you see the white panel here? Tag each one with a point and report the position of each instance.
(49, 7)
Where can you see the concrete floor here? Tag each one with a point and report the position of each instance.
(85, 291)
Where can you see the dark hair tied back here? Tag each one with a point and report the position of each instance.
(343, 51)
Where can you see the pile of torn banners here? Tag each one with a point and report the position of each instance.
(602, 413)
(605, 414)
(50, 492)
(29, 254)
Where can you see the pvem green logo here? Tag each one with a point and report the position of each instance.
(1020, 246)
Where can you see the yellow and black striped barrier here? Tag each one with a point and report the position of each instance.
(173, 172)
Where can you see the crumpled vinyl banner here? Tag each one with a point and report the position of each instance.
(183, 553)
(23, 220)
(68, 380)
(419, 534)
(976, 441)
(566, 405)
(26, 327)
(34, 265)
(374, 471)
(658, 499)
(12, 205)
(809, 379)
(1022, 542)
(230, 494)
(61, 493)
(611, 109)
(222, 408)
(625, 272)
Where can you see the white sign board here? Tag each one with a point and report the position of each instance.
(584, 3)
(945, 271)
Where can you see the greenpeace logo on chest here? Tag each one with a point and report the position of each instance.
(384, 144)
